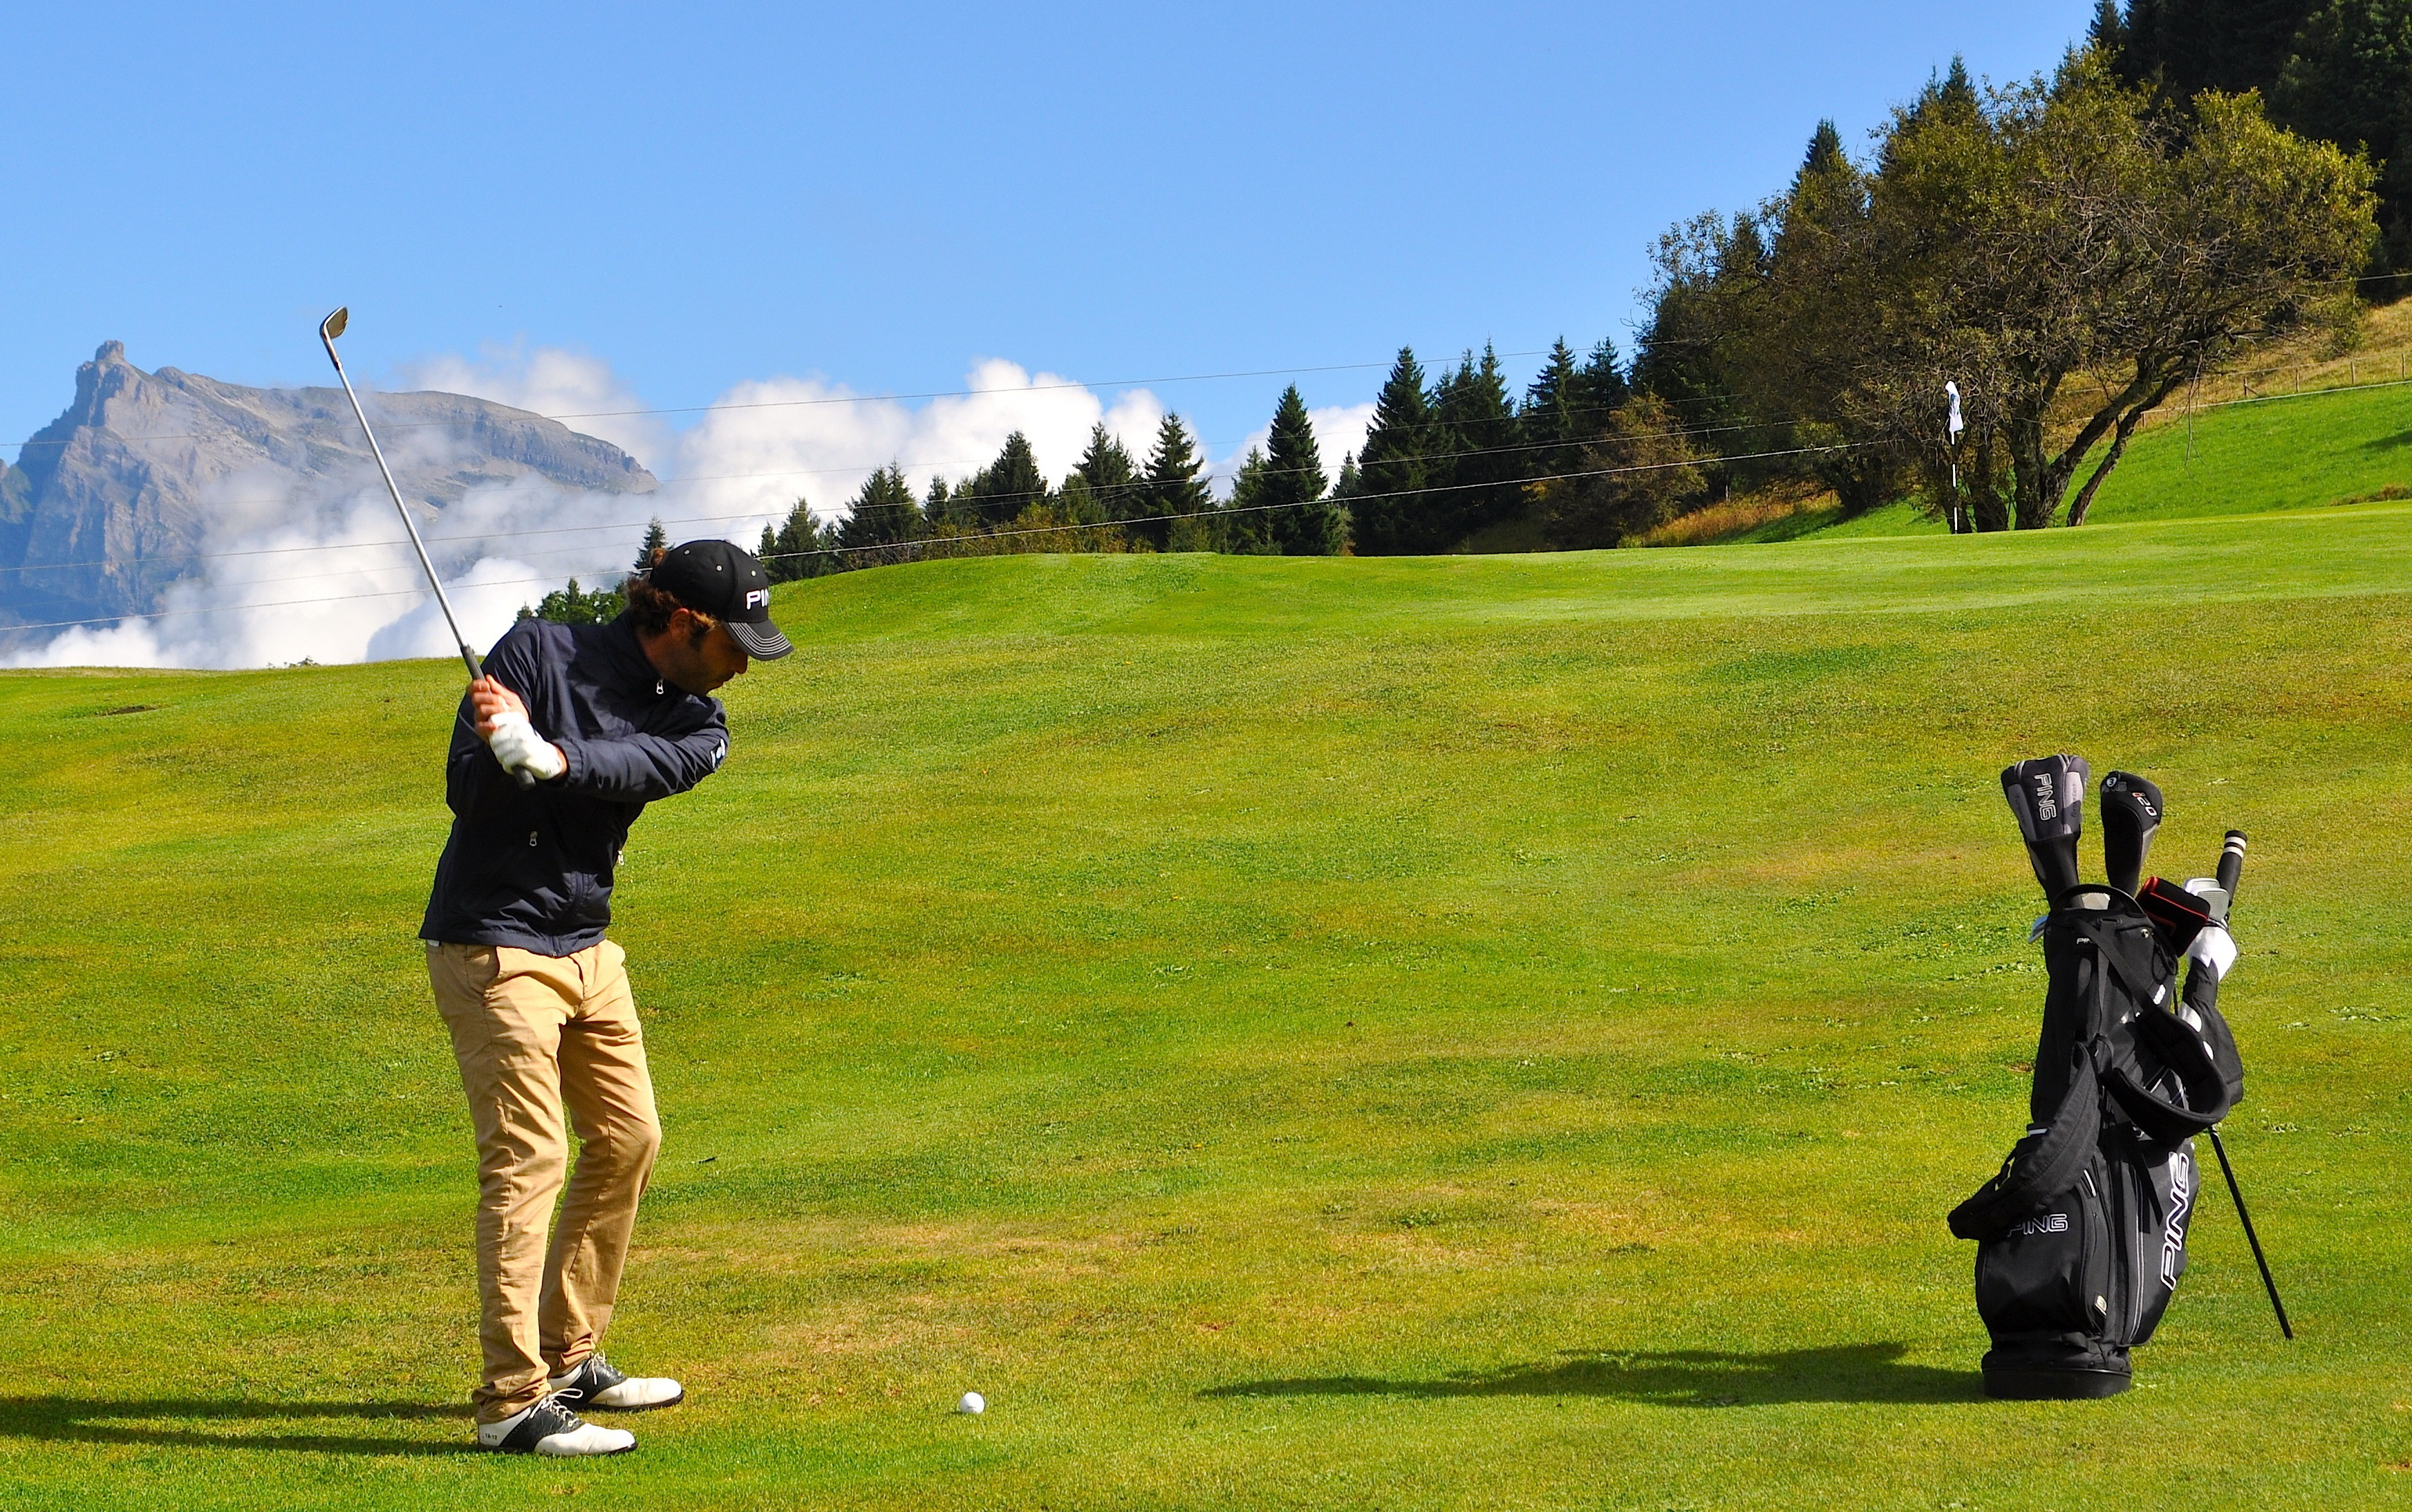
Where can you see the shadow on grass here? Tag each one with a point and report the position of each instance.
(173, 1422)
(1671, 1377)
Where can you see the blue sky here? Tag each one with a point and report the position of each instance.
(702, 196)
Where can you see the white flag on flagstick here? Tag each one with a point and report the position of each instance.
(1951, 391)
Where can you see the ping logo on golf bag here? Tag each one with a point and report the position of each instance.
(2050, 1223)
(2180, 1200)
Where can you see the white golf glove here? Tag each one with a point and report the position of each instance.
(519, 747)
(2216, 948)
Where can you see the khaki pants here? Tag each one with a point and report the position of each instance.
(535, 1034)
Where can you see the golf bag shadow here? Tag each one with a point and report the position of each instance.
(2080, 1236)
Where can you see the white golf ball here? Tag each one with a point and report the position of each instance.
(973, 1402)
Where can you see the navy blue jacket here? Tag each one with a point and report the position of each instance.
(532, 867)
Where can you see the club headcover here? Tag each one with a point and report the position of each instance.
(2048, 796)
(2178, 916)
(2213, 896)
(2131, 812)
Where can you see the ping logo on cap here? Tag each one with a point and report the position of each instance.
(756, 597)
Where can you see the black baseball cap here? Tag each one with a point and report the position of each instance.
(726, 581)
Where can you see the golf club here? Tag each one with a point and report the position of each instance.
(2048, 796)
(2231, 866)
(329, 329)
(2131, 814)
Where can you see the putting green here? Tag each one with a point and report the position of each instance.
(1468, 1033)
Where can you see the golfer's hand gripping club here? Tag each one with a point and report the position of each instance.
(521, 749)
(502, 718)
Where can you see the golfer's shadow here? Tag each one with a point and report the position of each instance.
(1671, 1377)
(222, 1424)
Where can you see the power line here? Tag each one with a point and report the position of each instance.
(928, 541)
(1025, 495)
(825, 399)
(722, 478)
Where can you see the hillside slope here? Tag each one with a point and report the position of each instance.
(2287, 429)
(1458, 1033)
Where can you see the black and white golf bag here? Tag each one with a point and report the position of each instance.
(2082, 1234)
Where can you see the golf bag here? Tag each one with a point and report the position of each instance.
(2082, 1234)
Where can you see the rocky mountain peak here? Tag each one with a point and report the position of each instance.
(110, 503)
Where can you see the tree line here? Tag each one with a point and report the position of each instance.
(1578, 457)
(1109, 501)
(2063, 254)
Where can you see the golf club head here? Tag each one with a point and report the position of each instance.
(2131, 814)
(334, 324)
(2047, 795)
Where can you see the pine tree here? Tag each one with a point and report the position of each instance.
(883, 512)
(1175, 483)
(1383, 499)
(1600, 389)
(1956, 95)
(940, 509)
(1243, 526)
(1299, 522)
(1552, 430)
(2350, 83)
(2109, 33)
(794, 550)
(656, 540)
(2228, 45)
(1005, 487)
(1476, 454)
(1111, 475)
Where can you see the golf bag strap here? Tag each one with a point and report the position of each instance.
(2203, 1099)
(2144, 1035)
(2043, 1164)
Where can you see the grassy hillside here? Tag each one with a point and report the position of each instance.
(1460, 1033)
(2287, 429)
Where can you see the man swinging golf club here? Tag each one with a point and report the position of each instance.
(560, 744)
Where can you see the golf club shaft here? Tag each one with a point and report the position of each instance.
(2231, 872)
(468, 658)
(2250, 1237)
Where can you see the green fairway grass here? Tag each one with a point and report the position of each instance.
(1466, 1033)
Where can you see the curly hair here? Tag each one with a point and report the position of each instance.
(650, 607)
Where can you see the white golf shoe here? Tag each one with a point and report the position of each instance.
(551, 1429)
(595, 1386)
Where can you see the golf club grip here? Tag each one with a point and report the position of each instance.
(2231, 864)
(521, 775)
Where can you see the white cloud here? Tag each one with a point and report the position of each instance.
(580, 390)
(774, 441)
(319, 569)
